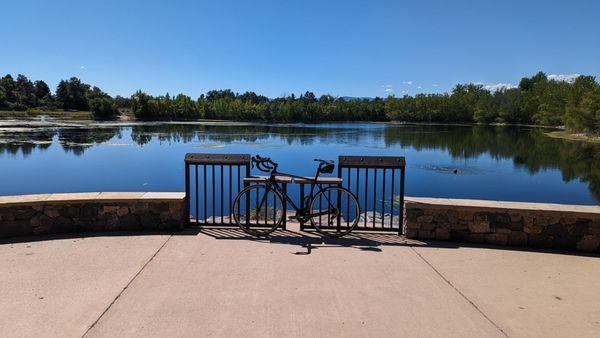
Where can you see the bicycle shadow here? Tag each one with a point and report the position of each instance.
(309, 240)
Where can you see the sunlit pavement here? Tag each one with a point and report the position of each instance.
(222, 283)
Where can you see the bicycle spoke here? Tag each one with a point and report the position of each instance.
(259, 201)
(337, 224)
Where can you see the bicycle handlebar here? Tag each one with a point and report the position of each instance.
(266, 165)
(323, 161)
(263, 164)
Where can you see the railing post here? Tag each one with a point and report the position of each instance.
(401, 216)
(339, 200)
(186, 209)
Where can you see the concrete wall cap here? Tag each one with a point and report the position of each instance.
(23, 199)
(160, 196)
(89, 197)
(505, 205)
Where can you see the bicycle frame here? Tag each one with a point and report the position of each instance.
(300, 212)
(310, 206)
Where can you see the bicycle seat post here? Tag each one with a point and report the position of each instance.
(318, 173)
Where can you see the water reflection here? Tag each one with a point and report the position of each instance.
(528, 148)
(77, 140)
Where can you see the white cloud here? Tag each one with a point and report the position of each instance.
(570, 78)
(435, 85)
(498, 86)
(389, 90)
(82, 67)
(407, 83)
(495, 86)
(419, 87)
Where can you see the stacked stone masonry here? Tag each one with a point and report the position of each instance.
(537, 225)
(504, 223)
(67, 213)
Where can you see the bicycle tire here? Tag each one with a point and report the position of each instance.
(339, 229)
(254, 227)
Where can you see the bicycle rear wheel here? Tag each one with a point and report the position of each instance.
(334, 211)
(258, 210)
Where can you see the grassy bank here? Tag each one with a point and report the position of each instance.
(65, 115)
(565, 135)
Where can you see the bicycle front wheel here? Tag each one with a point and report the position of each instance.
(258, 210)
(334, 211)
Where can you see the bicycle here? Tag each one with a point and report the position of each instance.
(258, 208)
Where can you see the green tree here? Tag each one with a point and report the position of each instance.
(101, 104)
(71, 94)
(25, 92)
(141, 106)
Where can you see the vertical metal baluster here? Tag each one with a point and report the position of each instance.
(257, 213)
(214, 196)
(374, 195)
(197, 195)
(401, 218)
(247, 174)
(358, 188)
(392, 206)
(302, 203)
(284, 206)
(205, 199)
(222, 193)
(348, 201)
(230, 193)
(328, 209)
(238, 186)
(320, 208)
(186, 208)
(383, 200)
(366, 193)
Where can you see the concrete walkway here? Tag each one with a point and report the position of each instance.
(222, 283)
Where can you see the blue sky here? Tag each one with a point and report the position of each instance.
(354, 48)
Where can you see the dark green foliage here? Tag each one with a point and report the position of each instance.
(43, 96)
(25, 91)
(101, 104)
(103, 108)
(122, 102)
(538, 100)
(71, 94)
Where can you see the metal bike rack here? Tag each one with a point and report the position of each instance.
(213, 180)
(211, 183)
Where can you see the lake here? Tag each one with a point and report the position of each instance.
(482, 162)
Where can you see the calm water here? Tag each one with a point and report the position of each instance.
(501, 163)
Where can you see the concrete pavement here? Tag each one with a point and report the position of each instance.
(222, 283)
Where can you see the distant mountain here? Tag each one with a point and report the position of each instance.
(352, 98)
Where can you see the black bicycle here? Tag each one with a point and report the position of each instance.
(258, 209)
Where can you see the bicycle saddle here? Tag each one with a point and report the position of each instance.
(325, 166)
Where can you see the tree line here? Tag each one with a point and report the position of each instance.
(537, 100)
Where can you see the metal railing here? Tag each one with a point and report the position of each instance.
(213, 180)
(378, 184)
(211, 183)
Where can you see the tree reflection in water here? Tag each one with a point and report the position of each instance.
(528, 148)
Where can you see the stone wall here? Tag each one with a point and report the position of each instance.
(64, 213)
(556, 226)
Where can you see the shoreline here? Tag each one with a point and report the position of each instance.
(580, 137)
(126, 119)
